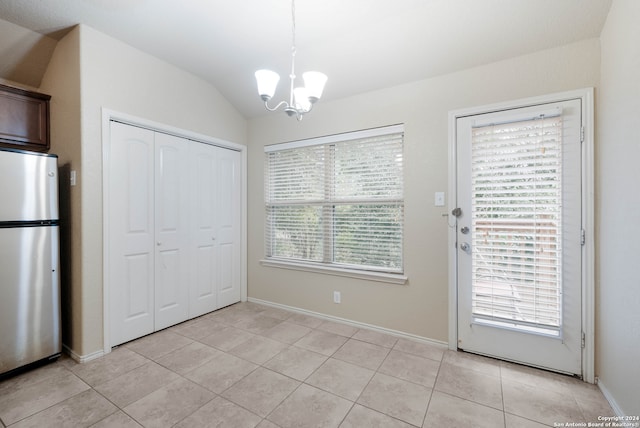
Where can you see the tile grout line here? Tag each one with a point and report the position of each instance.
(433, 390)
(59, 402)
(504, 408)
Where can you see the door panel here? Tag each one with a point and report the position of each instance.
(137, 285)
(519, 235)
(228, 227)
(131, 224)
(204, 295)
(172, 198)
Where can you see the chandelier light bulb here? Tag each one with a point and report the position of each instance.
(267, 83)
(301, 99)
(314, 82)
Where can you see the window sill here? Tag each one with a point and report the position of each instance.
(392, 278)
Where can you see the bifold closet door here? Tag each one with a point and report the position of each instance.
(148, 209)
(173, 180)
(130, 211)
(204, 287)
(174, 225)
(229, 183)
(216, 228)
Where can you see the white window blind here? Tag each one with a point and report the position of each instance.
(337, 200)
(516, 217)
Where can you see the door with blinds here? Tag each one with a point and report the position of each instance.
(519, 235)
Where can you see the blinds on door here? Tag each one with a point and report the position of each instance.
(516, 218)
(337, 200)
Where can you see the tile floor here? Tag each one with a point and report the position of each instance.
(255, 366)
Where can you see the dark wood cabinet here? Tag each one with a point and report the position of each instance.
(24, 119)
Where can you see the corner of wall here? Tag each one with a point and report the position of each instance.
(617, 205)
(62, 81)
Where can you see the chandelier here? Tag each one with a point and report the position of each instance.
(301, 99)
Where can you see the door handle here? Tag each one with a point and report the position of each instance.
(465, 247)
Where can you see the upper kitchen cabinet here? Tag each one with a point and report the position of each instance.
(24, 119)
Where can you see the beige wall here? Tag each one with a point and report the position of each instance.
(618, 208)
(62, 82)
(420, 306)
(91, 71)
(25, 54)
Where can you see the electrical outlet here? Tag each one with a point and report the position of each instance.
(336, 297)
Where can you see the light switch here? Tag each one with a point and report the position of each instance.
(72, 178)
(439, 199)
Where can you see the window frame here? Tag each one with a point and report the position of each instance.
(331, 267)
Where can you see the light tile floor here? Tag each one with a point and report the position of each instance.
(250, 365)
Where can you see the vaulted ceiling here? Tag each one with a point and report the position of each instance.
(362, 45)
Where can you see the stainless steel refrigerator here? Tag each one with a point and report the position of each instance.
(29, 259)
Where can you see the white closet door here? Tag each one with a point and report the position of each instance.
(172, 208)
(131, 233)
(205, 270)
(229, 179)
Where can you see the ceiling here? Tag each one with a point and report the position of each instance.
(362, 45)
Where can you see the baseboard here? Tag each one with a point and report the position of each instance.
(81, 358)
(352, 323)
(612, 401)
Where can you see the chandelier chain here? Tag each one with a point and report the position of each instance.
(293, 26)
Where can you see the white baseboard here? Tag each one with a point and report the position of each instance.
(612, 401)
(351, 323)
(81, 358)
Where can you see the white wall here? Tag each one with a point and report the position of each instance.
(618, 208)
(420, 306)
(113, 75)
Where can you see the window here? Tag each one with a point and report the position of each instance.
(517, 219)
(337, 201)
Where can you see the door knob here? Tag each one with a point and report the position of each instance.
(465, 246)
(464, 230)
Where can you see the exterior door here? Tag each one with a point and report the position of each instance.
(519, 235)
(131, 233)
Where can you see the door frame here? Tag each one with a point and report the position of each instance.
(588, 251)
(109, 115)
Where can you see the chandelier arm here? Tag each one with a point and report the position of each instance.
(280, 104)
